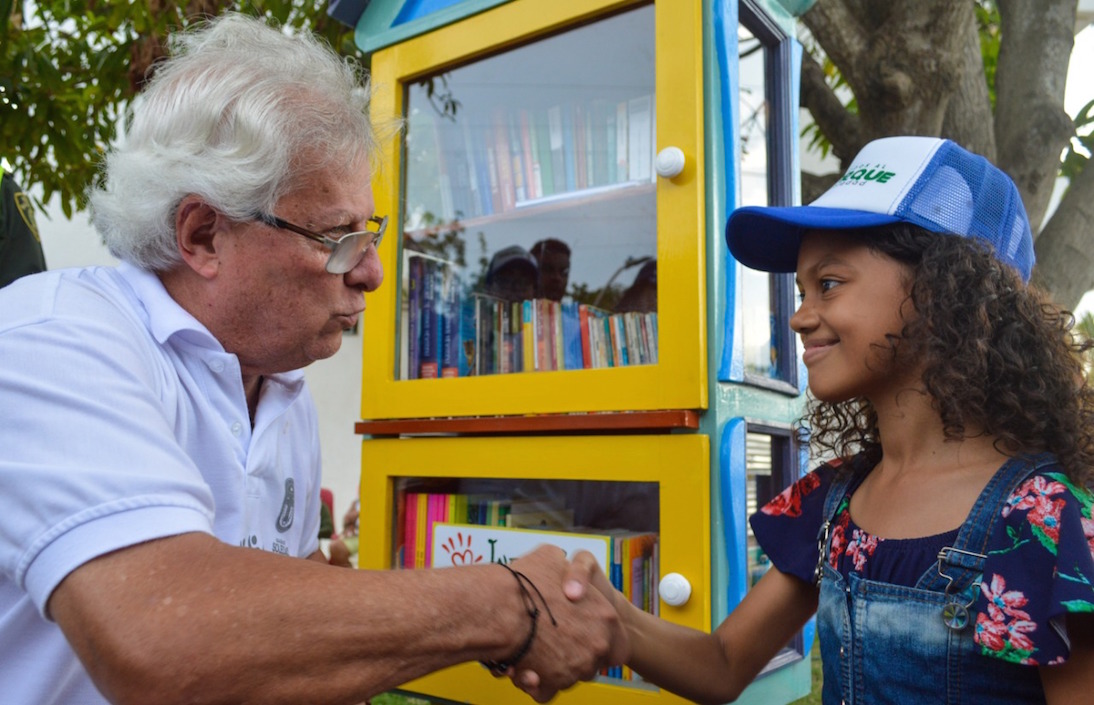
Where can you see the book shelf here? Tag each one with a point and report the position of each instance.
(546, 339)
(516, 65)
(595, 480)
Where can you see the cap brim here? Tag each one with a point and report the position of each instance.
(768, 238)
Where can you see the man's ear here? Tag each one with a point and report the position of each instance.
(198, 232)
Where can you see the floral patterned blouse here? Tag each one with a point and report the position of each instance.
(1040, 563)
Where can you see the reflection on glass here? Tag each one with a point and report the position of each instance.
(768, 470)
(758, 303)
(442, 522)
(759, 490)
(752, 97)
(530, 223)
(761, 354)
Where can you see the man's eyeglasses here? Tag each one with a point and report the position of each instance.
(346, 251)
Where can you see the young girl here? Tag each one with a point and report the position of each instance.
(948, 549)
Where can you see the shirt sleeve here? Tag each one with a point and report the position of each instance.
(89, 463)
(1040, 569)
(786, 527)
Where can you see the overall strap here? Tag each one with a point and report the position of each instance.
(961, 564)
(848, 475)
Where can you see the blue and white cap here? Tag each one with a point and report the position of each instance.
(929, 182)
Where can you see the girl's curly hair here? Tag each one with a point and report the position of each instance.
(998, 356)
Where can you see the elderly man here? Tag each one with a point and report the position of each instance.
(157, 428)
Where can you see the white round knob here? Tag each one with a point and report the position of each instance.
(674, 589)
(669, 162)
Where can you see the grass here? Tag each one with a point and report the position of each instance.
(814, 697)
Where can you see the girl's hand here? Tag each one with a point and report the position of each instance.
(583, 574)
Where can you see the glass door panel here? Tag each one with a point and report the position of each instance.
(529, 212)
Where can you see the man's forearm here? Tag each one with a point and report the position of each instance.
(190, 619)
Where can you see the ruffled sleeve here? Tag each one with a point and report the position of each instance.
(1040, 568)
(786, 527)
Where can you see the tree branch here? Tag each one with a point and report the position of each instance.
(1065, 257)
(838, 29)
(839, 125)
(1031, 127)
(968, 119)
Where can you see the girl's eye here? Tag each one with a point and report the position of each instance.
(827, 284)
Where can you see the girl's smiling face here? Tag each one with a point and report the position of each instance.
(854, 302)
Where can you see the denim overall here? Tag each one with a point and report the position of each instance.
(884, 643)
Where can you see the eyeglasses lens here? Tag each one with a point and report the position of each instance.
(348, 252)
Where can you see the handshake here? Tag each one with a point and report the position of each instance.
(570, 623)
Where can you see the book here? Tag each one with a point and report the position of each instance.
(531, 158)
(414, 315)
(516, 336)
(586, 341)
(516, 153)
(504, 161)
(572, 356)
(468, 351)
(428, 342)
(580, 152)
(528, 337)
(544, 159)
(449, 313)
(569, 153)
(501, 544)
(556, 143)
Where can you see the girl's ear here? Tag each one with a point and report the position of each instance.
(198, 233)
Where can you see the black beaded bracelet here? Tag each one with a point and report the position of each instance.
(500, 668)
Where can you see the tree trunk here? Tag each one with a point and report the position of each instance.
(916, 68)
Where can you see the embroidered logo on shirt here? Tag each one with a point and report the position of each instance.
(26, 212)
(284, 518)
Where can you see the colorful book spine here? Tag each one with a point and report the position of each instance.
(556, 142)
(429, 344)
(449, 313)
(528, 336)
(531, 159)
(541, 129)
(586, 341)
(414, 316)
(504, 161)
(573, 358)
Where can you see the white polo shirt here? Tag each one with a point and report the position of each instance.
(123, 420)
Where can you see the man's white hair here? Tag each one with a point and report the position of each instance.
(238, 114)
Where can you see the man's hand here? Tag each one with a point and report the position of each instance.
(588, 635)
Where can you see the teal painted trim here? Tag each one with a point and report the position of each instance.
(375, 31)
(758, 403)
(376, 19)
(720, 181)
(797, 8)
(731, 493)
(795, 683)
(725, 21)
(782, 12)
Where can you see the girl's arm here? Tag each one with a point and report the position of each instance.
(715, 668)
(1073, 682)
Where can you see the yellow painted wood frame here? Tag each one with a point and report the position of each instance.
(679, 380)
(679, 463)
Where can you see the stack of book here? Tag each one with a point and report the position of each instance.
(436, 529)
(518, 156)
(450, 333)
